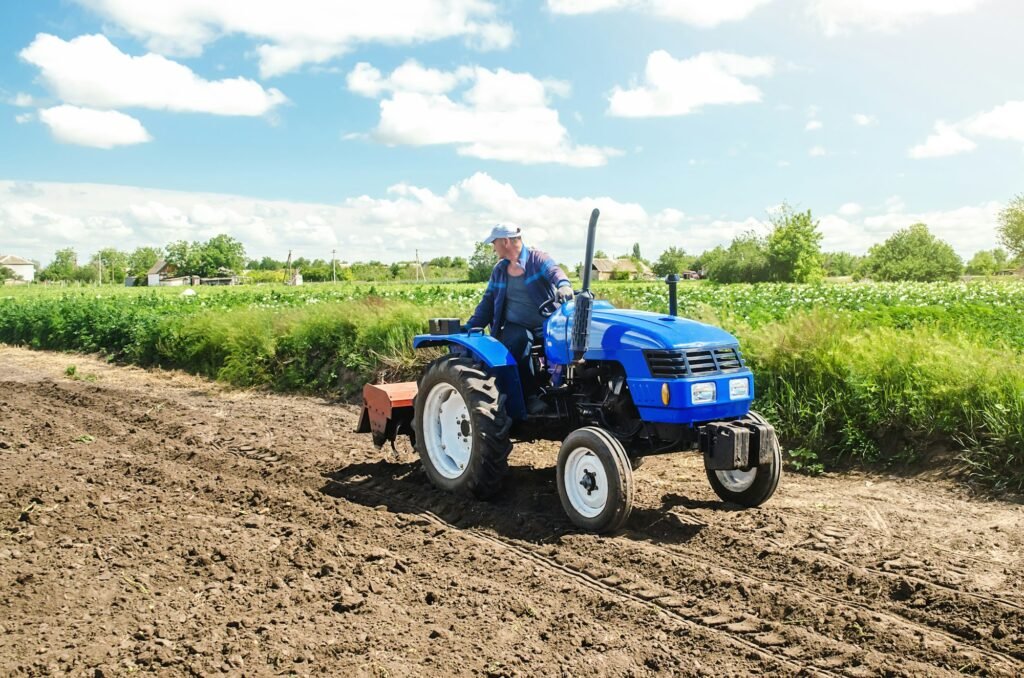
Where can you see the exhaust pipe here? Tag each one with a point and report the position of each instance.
(672, 280)
(585, 299)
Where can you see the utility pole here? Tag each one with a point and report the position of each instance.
(419, 268)
(334, 275)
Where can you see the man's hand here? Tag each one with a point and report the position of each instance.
(565, 293)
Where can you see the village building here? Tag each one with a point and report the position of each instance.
(612, 269)
(163, 274)
(23, 268)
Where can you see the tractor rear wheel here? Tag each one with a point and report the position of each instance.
(754, 486)
(595, 480)
(461, 427)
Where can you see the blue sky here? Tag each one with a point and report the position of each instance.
(380, 128)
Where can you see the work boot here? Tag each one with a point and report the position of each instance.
(534, 405)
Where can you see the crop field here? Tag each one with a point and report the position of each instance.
(880, 374)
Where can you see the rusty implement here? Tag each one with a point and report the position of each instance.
(387, 411)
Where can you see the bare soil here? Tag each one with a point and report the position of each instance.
(154, 522)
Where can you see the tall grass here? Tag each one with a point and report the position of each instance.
(878, 375)
(840, 393)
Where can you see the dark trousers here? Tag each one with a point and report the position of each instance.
(518, 340)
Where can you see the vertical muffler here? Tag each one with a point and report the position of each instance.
(585, 299)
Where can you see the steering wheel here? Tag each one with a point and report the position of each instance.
(548, 308)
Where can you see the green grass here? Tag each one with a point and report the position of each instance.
(877, 375)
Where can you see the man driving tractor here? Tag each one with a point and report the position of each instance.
(521, 281)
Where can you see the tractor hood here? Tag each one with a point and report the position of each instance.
(615, 332)
(616, 329)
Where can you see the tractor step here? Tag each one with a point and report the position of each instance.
(387, 411)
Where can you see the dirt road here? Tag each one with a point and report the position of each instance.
(155, 522)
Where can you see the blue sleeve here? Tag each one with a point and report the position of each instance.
(555, 275)
(484, 313)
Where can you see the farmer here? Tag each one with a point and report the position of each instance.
(521, 281)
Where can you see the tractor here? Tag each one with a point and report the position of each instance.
(619, 385)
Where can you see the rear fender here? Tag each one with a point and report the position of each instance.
(493, 354)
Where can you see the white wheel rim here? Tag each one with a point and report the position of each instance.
(447, 431)
(737, 481)
(586, 482)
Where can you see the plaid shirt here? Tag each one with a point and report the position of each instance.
(543, 277)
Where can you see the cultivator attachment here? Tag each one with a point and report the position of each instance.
(387, 411)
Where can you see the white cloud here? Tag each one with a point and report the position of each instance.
(38, 218)
(839, 16)
(682, 86)
(968, 229)
(300, 32)
(1002, 122)
(22, 100)
(864, 119)
(850, 209)
(22, 118)
(945, 140)
(90, 127)
(813, 125)
(817, 152)
(90, 71)
(698, 13)
(499, 115)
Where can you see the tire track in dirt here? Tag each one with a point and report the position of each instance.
(938, 617)
(663, 603)
(894, 620)
(404, 496)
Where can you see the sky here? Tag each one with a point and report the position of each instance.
(376, 130)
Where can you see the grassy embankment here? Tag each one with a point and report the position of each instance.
(850, 374)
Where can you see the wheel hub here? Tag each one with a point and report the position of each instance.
(586, 484)
(589, 481)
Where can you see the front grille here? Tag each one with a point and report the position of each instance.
(677, 363)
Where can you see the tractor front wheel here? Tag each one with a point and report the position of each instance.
(462, 428)
(595, 480)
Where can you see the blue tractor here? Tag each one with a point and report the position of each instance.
(619, 385)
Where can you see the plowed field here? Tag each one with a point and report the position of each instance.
(153, 522)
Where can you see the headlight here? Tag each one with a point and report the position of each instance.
(702, 393)
(739, 388)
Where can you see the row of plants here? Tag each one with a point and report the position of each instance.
(850, 374)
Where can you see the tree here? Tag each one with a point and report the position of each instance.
(218, 254)
(746, 260)
(62, 268)
(1011, 226)
(839, 263)
(794, 247)
(599, 254)
(222, 253)
(482, 262)
(8, 274)
(912, 254)
(112, 263)
(673, 260)
(141, 260)
(987, 262)
(636, 256)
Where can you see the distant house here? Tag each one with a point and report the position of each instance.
(162, 274)
(1018, 272)
(605, 269)
(23, 268)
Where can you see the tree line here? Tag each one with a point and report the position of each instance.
(790, 251)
